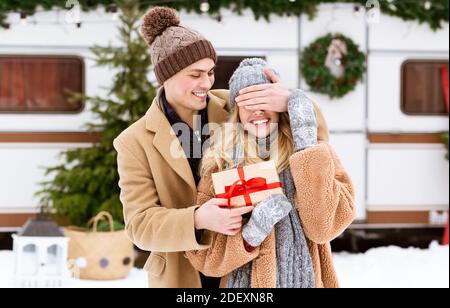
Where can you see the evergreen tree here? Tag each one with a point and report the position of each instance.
(445, 140)
(87, 180)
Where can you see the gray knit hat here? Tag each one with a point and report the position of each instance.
(172, 46)
(250, 72)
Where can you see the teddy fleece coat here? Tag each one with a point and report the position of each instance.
(325, 203)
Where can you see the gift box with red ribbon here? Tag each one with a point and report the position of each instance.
(245, 186)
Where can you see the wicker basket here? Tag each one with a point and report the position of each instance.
(99, 255)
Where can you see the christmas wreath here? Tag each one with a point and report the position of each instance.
(333, 65)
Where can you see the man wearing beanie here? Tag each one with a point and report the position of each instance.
(159, 155)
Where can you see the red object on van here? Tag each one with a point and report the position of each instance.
(444, 81)
(445, 239)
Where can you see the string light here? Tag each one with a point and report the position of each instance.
(204, 6)
(23, 18)
(114, 10)
(290, 17)
(357, 11)
(427, 5)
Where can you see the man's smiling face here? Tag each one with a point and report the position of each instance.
(187, 89)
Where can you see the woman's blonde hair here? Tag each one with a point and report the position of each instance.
(224, 140)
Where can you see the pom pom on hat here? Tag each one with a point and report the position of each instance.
(172, 46)
(156, 21)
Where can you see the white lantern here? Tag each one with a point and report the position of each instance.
(40, 250)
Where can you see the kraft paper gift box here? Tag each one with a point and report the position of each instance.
(247, 185)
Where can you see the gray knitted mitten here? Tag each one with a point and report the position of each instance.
(264, 217)
(303, 120)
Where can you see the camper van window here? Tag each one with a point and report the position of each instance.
(422, 87)
(40, 84)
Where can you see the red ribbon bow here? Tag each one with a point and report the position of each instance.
(243, 187)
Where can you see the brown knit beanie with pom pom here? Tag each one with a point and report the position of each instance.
(172, 46)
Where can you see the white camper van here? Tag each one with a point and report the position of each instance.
(387, 131)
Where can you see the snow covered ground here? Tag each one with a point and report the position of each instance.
(378, 267)
(136, 279)
(394, 267)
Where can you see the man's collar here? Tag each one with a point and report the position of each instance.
(217, 109)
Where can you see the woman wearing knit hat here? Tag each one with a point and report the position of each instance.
(286, 241)
(159, 155)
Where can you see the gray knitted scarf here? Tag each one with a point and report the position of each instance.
(294, 264)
